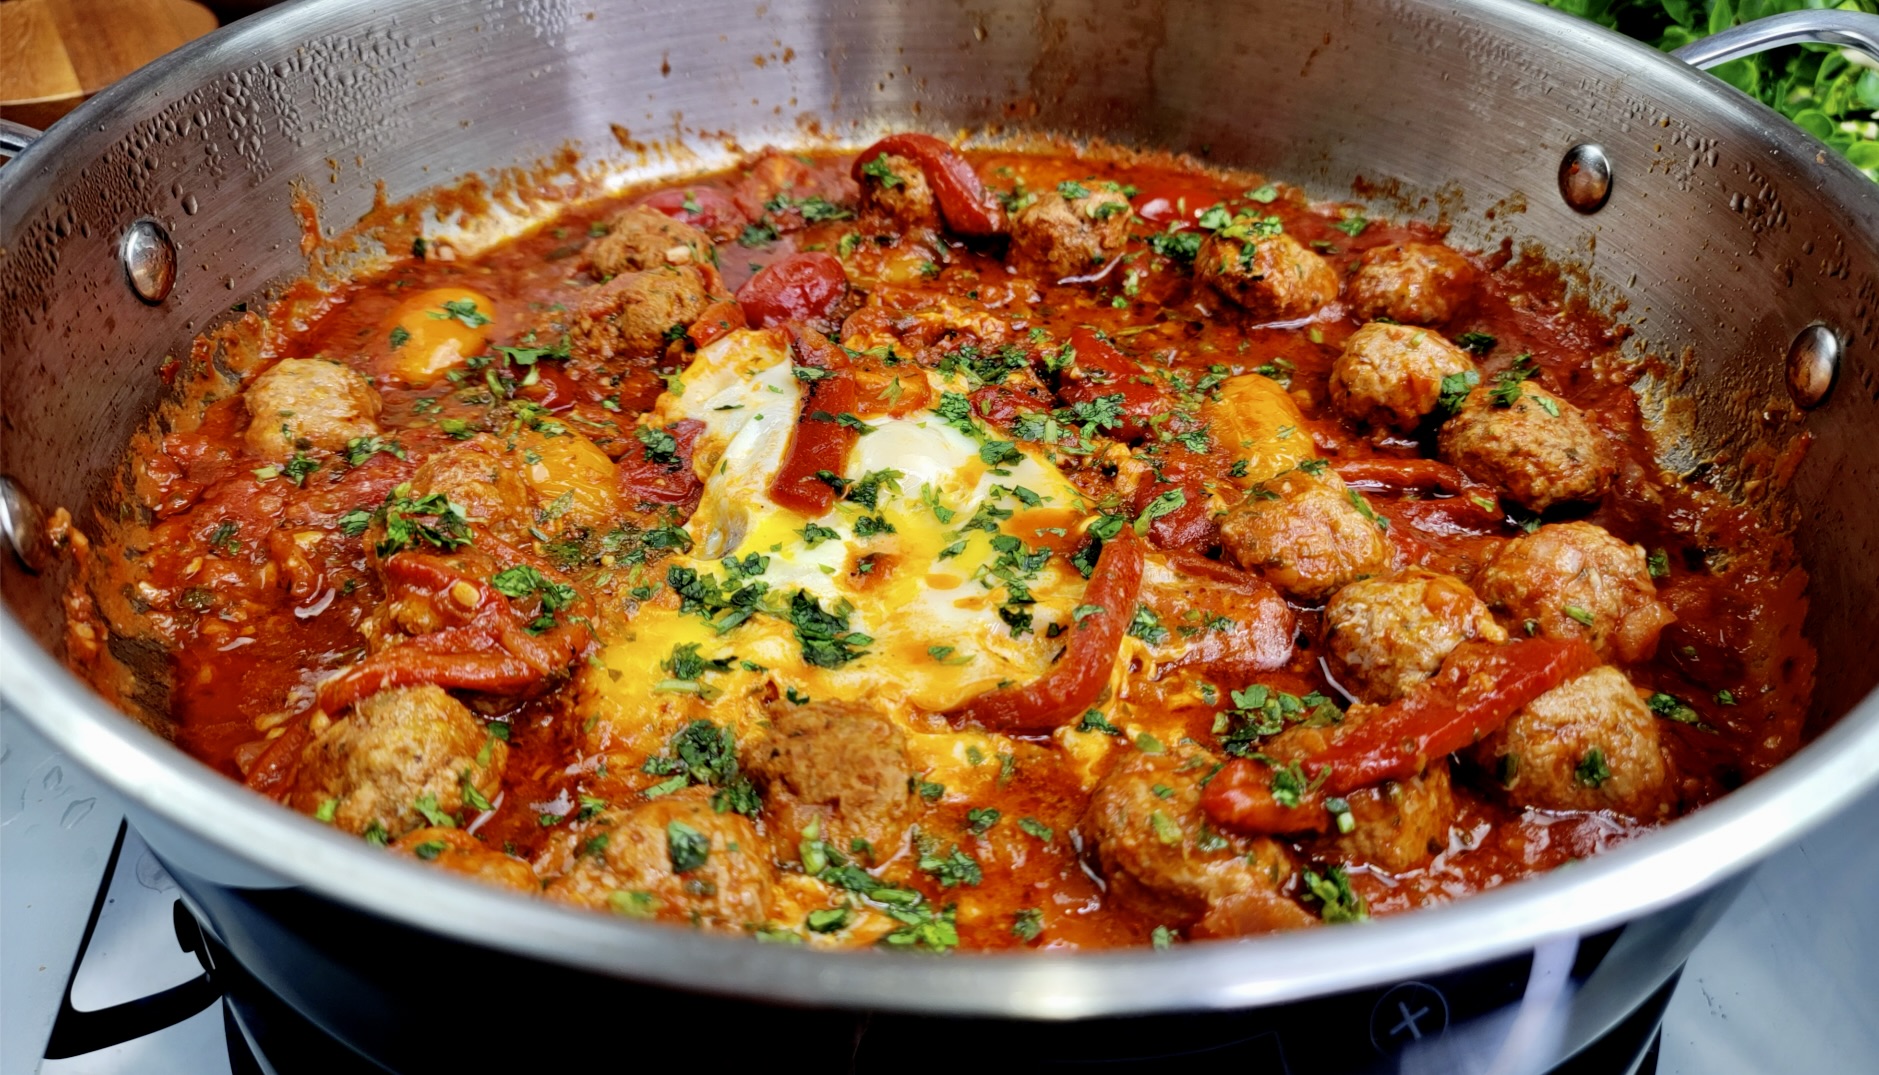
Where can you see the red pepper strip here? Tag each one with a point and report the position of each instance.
(273, 772)
(1478, 688)
(487, 649)
(1101, 370)
(719, 320)
(963, 201)
(818, 444)
(801, 287)
(1425, 475)
(410, 666)
(649, 485)
(1073, 684)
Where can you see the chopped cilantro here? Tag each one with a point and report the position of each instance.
(685, 846)
(1332, 892)
(1592, 770)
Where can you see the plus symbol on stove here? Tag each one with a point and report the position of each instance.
(1407, 1013)
(1409, 1020)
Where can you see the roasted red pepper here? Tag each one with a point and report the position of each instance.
(1077, 679)
(1101, 371)
(649, 485)
(967, 207)
(800, 287)
(486, 643)
(1478, 688)
(820, 442)
(1470, 501)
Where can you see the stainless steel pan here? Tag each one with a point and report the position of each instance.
(1726, 231)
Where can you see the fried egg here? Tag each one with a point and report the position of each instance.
(949, 576)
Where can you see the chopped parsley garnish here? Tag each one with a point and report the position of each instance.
(814, 209)
(297, 469)
(403, 516)
(661, 447)
(867, 490)
(1506, 391)
(1363, 507)
(826, 640)
(1033, 827)
(1670, 707)
(1165, 503)
(224, 537)
(426, 806)
(879, 170)
(1331, 890)
(1353, 224)
(980, 820)
(704, 753)
(463, 311)
(1094, 721)
(685, 846)
(525, 581)
(1147, 626)
(1176, 244)
(953, 869)
(827, 919)
(815, 534)
(1455, 389)
(399, 337)
(359, 449)
(755, 235)
(1260, 711)
(1579, 614)
(1592, 770)
(1476, 343)
(1027, 924)
(1658, 564)
(922, 927)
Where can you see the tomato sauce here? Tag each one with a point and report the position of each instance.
(259, 582)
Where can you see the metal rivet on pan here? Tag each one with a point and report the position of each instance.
(149, 260)
(1585, 177)
(22, 525)
(1813, 363)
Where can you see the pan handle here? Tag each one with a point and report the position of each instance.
(15, 137)
(1847, 29)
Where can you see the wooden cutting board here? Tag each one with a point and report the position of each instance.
(56, 53)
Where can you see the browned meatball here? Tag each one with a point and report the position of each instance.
(1414, 283)
(1540, 448)
(641, 238)
(460, 852)
(639, 314)
(1385, 635)
(401, 758)
(1575, 580)
(674, 858)
(480, 476)
(1070, 236)
(1307, 535)
(896, 188)
(1162, 859)
(1391, 375)
(844, 767)
(308, 403)
(1273, 279)
(1588, 744)
(1399, 825)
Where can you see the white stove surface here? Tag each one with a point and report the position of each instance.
(1788, 981)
